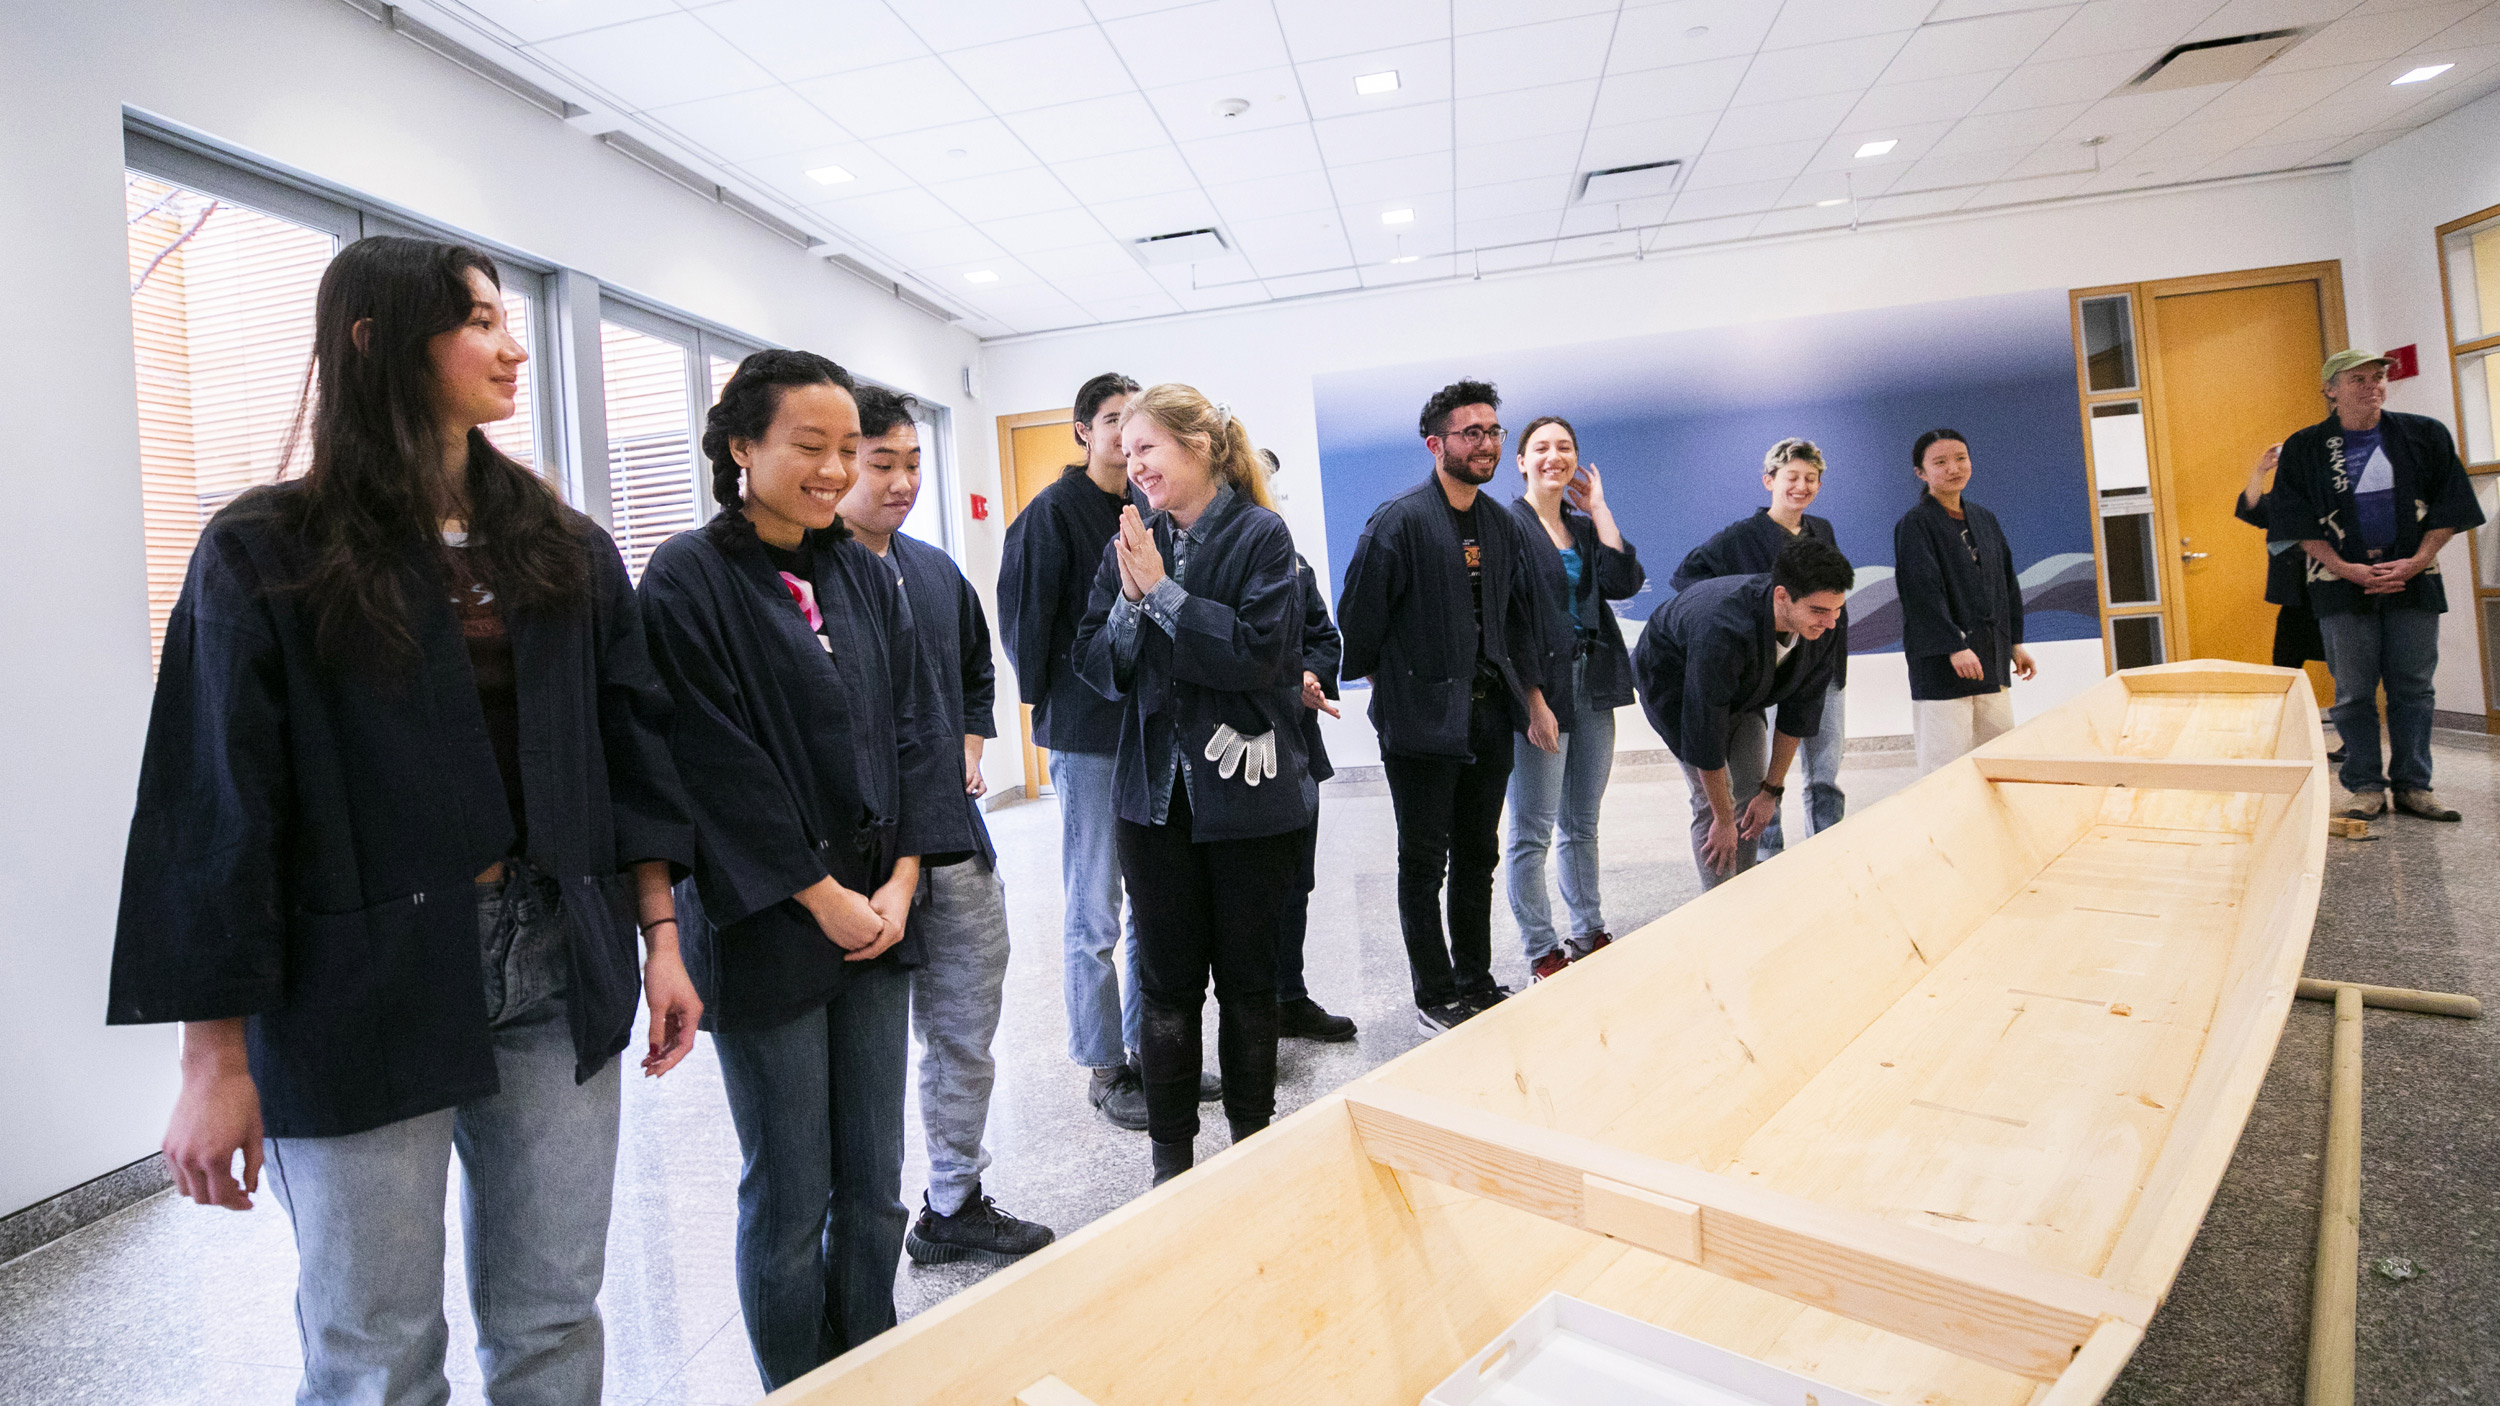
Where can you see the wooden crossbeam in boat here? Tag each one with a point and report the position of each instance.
(1971, 1301)
(2213, 681)
(2104, 1354)
(2266, 775)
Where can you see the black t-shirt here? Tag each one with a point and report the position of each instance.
(490, 663)
(1471, 548)
(798, 575)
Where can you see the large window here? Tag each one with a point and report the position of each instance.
(660, 374)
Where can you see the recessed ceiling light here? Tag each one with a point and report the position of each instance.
(1699, 31)
(1878, 148)
(1397, 217)
(1405, 258)
(1827, 204)
(980, 276)
(830, 176)
(2424, 74)
(1374, 84)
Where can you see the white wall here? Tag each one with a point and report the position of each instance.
(313, 85)
(2401, 193)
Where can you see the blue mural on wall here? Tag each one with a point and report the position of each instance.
(1677, 425)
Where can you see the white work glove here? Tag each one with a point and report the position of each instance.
(1253, 757)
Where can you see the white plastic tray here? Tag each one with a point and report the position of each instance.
(1568, 1352)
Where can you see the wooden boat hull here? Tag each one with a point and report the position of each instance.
(1930, 1110)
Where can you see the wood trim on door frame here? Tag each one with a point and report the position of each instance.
(1013, 503)
(2475, 595)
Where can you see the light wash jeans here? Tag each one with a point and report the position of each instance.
(818, 1102)
(1748, 756)
(1554, 802)
(1819, 756)
(1102, 1015)
(2397, 648)
(955, 999)
(537, 1163)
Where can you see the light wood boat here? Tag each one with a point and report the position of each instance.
(1929, 1110)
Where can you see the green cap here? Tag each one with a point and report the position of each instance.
(2346, 360)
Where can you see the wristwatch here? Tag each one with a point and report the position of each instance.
(1774, 792)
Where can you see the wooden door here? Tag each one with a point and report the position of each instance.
(1033, 450)
(2234, 369)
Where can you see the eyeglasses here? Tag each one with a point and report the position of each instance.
(1477, 434)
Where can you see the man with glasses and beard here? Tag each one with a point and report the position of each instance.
(1437, 614)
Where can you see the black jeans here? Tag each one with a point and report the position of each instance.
(1293, 916)
(1449, 816)
(1201, 908)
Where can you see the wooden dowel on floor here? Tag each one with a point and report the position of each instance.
(2335, 1285)
(2395, 998)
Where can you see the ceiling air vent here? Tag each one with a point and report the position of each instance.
(1188, 246)
(2214, 61)
(1618, 183)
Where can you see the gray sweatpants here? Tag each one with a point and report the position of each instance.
(1748, 756)
(955, 996)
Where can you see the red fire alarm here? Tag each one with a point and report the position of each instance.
(981, 505)
(2402, 363)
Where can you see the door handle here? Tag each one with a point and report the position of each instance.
(2194, 556)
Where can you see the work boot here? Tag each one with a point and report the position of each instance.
(1173, 1158)
(1121, 1096)
(1304, 1019)
(2423, 804)
(977, 1231)
(2367, 805)
(1551, 964)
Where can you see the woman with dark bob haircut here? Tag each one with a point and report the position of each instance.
(405, 800)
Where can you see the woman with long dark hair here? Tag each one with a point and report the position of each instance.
(1196, 630)
(809, 744)
(405, 800)
(1961, 607)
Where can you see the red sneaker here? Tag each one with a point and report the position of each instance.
(1548, 964)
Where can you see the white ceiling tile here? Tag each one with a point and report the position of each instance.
(1252, 156)
(1158, 304)
(2081, 80)
(1289, 194)
(893, 97)
(1909, 205)
(1841, 66)
(985, 327)
(2065, 155)
(1910, 142)
(1476, 16)
(1635, 143)
(1661, 36)
(1716, 201)
(1767, 124)
(655, 62)
(1492, 162)
(1667, 92)
(1285, 260)
(1042, 70)
(2020, 192)
(2138, 112)
(1293, 243)
(1799, 220)
(1927, 100)
(1522, 256)
(2482, 27)
(1513, 198)
(529, 21)
(1200, 299)
(2250, 16)
(1969, 168)
(1207, 40)
(1615, 244)
(1320, 29)
(1527, 226)
(1993, 131)
(1095, 127)
(810, 38)
(987, 146)
(1374, 244)
(1949, 10)
(1186, 110)
(743, 126)
(1024, 235)
(1385, 275)
(1974, 45)
(1303, 285)
(2353, 147)
(1529, 112)
(2257, 160)
(1005, 195)
(2122, 26)
(1532, 55)
(1378, 136)
(1150, 215)
(949, 244)
(1753, 164)
(2279, 93)
(1099, 259)
(1130, 282)
(949, 273)
(960, 24)
(1153, 171)
(1856, 187)
(1419, 182)
(1423, 72)
(2365, 38)
(870, 173)
(893, 213)
(1682, 235)
(1803, 22)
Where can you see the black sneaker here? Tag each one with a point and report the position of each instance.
(1304, 1019)
(1476, 1003)
(977, 1231)
(1121, 1096)
(1436, 1019)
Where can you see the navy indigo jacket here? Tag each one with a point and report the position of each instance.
(955, 647)
(1747, 547)
(1605, 575)
(1323, 650)
(1711, 652)
(307, 834)
(1950, 603)
(1045, 583)
(1238, 661)
(1410, 626)
(2312, 500)
(800, 763)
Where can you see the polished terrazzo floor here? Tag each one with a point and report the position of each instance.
(171, 1303)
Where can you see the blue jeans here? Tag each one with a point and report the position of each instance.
(955, 1000)
(538, 1165)
(2399, 649)
(1554, 800)
(1102, 1017)
(1820, 754)
(818, 1102)
(1748, 756)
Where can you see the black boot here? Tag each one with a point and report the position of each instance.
(1245, 1044)
(1173, 1158)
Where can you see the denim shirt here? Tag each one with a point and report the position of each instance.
(1162, 605)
